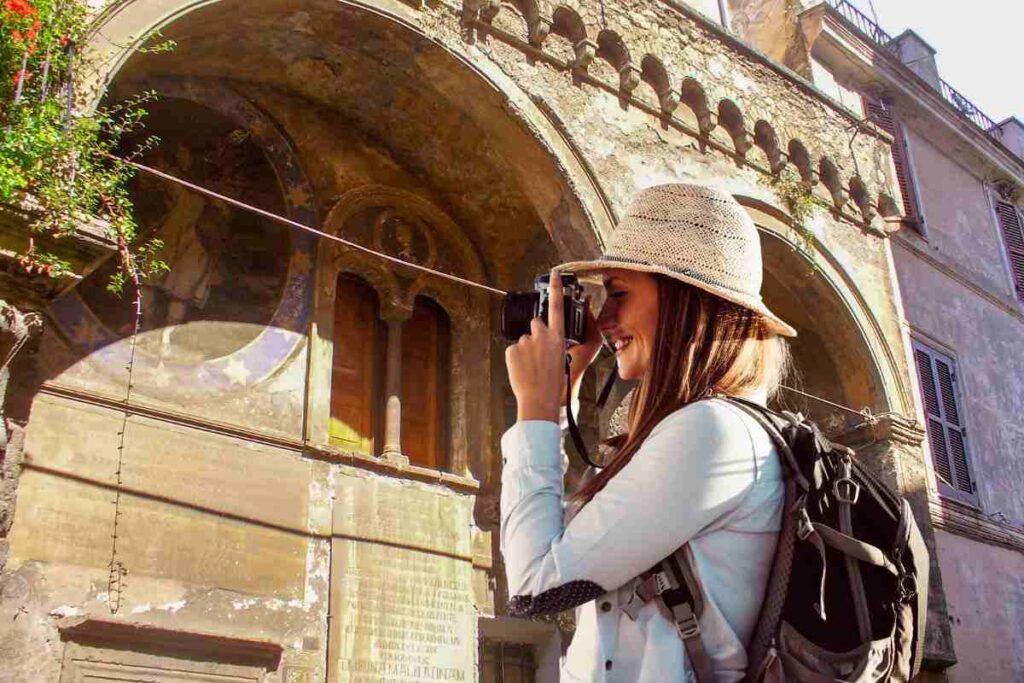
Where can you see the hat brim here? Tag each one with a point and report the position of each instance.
(591, 268)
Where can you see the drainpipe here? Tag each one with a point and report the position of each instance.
(723, 10)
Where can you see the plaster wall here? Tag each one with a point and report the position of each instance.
(988, 346)
(959, 222)
(985, 594)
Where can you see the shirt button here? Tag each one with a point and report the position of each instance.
(607, 665)
(606, 606)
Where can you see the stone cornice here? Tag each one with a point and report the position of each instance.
(895, 75)
(1006, 304)
(710, 103)
(969, 522)
(891, 427)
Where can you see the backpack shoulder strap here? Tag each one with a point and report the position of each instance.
(674, 586)
(771, 421)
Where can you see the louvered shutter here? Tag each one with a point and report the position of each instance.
(1013, 235)
(883, 118)
(947, 434)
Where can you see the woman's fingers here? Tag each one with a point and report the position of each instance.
(556, 314)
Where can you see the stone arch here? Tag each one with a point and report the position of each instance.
(692, 94)
(862, 198)
(119, 30)
(766, 139)
(840, 341)
(567, 25)
(830, 178)
(800, 157)
(730, 118)
(612, 50)
(654, 74)
(467, 311)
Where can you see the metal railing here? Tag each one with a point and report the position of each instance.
(967, 108)
(864, 25)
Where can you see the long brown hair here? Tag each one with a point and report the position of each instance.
(703, 345)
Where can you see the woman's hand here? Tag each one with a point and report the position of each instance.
(536, 363)
(583, 354)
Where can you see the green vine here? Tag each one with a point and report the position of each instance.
(54, 158)
(795, 197)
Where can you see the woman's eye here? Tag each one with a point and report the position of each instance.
(616, 295)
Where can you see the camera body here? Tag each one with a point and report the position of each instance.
(519, 308)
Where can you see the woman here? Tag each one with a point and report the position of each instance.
(682, 276)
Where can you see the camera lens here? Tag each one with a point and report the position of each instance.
(517, 311)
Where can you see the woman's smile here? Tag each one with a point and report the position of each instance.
(629, 319)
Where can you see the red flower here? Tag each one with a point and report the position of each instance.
(22, 7)
(18, 75)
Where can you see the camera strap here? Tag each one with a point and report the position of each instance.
(574, 430)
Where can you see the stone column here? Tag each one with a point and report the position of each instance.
(393, 393)
(892, 446)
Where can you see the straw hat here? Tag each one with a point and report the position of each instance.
(693, 233)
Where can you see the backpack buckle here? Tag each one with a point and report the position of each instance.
(846, 490)
(687, 624)
(644, 591)
(908, 587)
(804, 527)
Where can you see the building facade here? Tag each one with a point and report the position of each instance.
(959, 260)
(291, 472)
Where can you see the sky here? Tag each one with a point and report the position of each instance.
(977, 46)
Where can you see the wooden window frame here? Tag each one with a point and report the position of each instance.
(443, 368)
(1013, 244)
(377, 372)
(954, 477)
(885, 118)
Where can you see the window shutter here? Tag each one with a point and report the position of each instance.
(355, 376)
(1013, 236)
(425, 370)
(946, 431)
(884, 119)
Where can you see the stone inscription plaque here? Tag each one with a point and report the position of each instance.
(400, 513)
(400, 616)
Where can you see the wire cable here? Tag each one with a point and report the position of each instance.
(387, 257)
(295, 224)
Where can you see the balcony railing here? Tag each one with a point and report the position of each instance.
(873, 32)
(864, 24)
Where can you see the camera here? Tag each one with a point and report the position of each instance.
(519, 308)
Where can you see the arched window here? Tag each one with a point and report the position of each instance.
(425, 368)
(357, 371)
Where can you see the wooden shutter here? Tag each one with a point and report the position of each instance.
(1013, 236)
(425, 384)
(355, 379)
(885, 120)
(947, 434)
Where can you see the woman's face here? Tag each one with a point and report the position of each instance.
(629, 319)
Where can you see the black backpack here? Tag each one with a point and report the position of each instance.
(848, 592)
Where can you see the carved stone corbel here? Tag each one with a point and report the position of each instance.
(668, 101)
(539, 32)
(1006, 190)
(743, 142)
(629, 79)
(584, 51)
(479, 11)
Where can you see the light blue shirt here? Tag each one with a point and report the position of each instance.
(707, 475)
